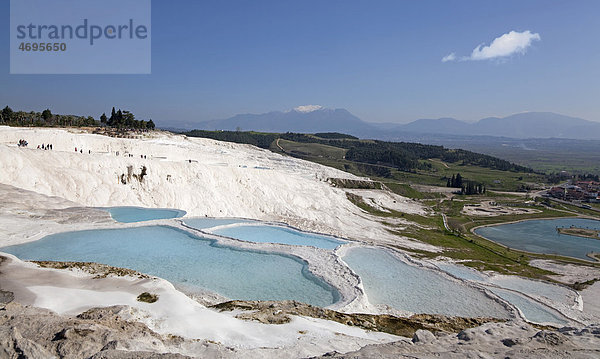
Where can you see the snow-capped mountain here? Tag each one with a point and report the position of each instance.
(307, 118)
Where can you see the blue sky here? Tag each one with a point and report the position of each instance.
(381, 60)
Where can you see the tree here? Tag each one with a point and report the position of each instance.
(119, 119)
(128, 119)
(7, 113)
(112, 121)
(46, 114)
(103, 119)
(455, 181)
(459, 181)
(150, 125)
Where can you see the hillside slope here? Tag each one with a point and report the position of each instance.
(201, 176)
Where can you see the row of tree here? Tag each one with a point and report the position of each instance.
(45, 118)
(455, 181)
(587, 177)
(557, 177)
(371, 153)
(118, 119)
(466, 187)
(125, 119)
(472, 188)
(258, 139)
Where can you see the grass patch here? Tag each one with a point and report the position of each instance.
(99, 270)
(311, 149)
(147, 297)
(491, 178)
(406, 190)
(354, 184)
(575, 209)
(583, 285)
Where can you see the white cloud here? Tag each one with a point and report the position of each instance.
(450, 57)
(503, 46)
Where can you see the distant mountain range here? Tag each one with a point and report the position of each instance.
(521, 125)
(305, 119)
(311, 119)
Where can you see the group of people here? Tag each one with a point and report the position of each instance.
(43, 146)
(47, 146)
(131, 155)
(81, 151)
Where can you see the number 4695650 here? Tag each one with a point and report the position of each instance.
(43, 46)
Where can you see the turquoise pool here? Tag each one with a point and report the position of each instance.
(206, 223)
(532, 311)
(277, 234)
(140, 214)
(461, 272)
(388, 280)
(188, 260)
(540, 236)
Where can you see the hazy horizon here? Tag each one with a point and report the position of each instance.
(286, 110)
